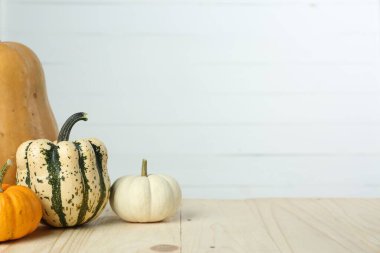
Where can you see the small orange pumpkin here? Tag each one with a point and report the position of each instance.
(20, 209)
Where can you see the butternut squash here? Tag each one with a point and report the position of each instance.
(25, 111)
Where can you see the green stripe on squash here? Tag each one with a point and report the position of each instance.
(99, 166)
(27, 179)
(54, 169)
(86, 187)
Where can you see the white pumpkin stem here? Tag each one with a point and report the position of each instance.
(3, 171)
(144, 168)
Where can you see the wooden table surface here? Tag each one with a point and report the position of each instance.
(260, 225)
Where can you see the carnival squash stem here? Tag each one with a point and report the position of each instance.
(64, 134)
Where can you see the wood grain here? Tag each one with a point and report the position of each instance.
(260, 225)
(282, 225)
(107, 234)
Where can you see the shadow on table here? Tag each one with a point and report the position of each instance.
(41, 232)
(44, 231)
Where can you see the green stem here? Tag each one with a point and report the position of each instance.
(64, 134)
(3, 171)
(144, 168)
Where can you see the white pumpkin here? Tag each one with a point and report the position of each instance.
(145, 198)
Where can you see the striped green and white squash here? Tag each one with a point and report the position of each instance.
(70, 178)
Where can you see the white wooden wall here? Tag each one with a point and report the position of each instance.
(236, 99)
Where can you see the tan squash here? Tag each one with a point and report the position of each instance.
(25, 112)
